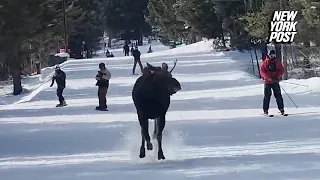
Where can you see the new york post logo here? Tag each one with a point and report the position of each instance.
(283, 27)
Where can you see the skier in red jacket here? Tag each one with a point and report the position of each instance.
(271, 71)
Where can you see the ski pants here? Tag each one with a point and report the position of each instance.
(59, 94)
(102, 93)
(126, 53)
(277, 94)
(137, 60)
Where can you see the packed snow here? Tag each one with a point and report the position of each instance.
(215, 128)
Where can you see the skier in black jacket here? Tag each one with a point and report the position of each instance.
(136, 55)
(60, 78)
(126, 50)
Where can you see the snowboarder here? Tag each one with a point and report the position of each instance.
(136, 55)
(271, 71)
(60, 78)
(102, 78)
(126, 50)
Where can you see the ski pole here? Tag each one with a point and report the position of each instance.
(288, 96)
(296, 84)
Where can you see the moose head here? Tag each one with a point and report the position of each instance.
(164, 77)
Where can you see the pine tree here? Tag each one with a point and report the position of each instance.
(200, 16)
(27, 27)
(162, 16)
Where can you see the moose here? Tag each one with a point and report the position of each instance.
(151, 96)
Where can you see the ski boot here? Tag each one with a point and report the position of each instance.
(101, 108)
(266, 113)
(59, 105)
(283, 113)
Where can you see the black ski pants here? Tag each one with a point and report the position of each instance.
(137, 61)
(275, 87)
(59, 94)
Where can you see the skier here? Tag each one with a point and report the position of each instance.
(165, 69)
(84, 50)
(165, 66)
(271, 71)
(60, 78)
(150, 50)
(102, 78)
(107, 53)
(132, 49)
(126, 50)
(136, 55)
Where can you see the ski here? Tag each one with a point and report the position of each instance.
(271, 115)
(102, 109)
(284, 114)
(59, 105)
(98, 109)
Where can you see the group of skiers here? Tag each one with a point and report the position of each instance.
(103, 77)
(271, 71)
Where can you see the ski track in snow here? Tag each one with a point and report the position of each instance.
(215, 128)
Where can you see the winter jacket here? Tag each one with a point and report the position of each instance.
(103, 78)
(136, 54)
(271, 70)
(60, 78)
(126, 48)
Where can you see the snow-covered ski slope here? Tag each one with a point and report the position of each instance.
(214, 126)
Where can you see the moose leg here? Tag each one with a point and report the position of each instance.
(154, 136)
(161, 123)
(144, 123)
(142, 148)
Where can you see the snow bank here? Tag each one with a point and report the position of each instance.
(202, 46)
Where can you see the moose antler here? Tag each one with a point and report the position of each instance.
(175, 63)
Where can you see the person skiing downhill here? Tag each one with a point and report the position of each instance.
(271, 71)
(60, 78)
(102, 78)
